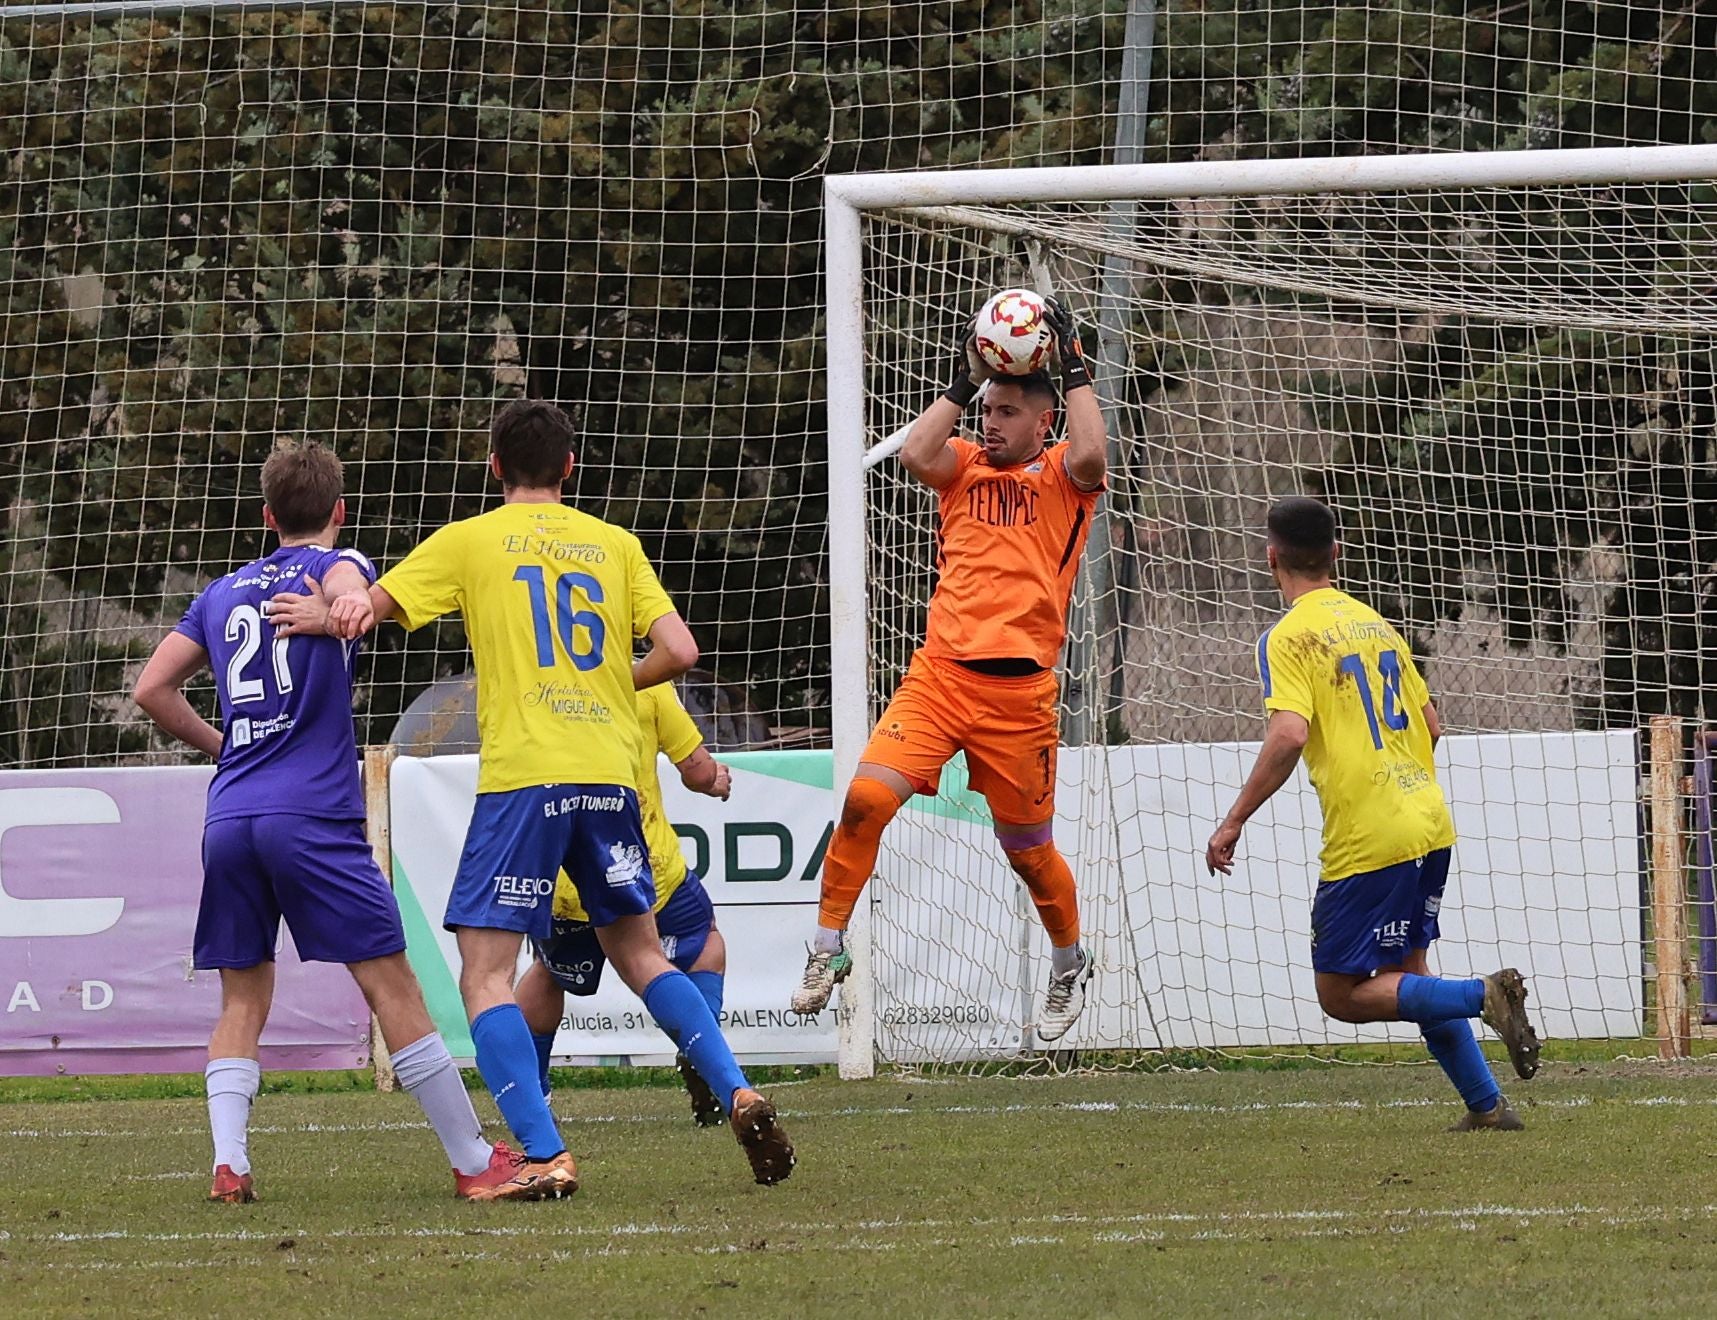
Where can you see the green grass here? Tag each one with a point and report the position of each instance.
(1316, 1192)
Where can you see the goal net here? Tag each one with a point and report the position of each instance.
(1500, 371)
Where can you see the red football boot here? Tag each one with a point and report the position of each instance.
(233, 1188)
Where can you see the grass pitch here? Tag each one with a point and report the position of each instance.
(1316, 1192)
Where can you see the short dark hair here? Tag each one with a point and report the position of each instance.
(533, 440)
(301, 484)
(1035, 385)
(1303, 531)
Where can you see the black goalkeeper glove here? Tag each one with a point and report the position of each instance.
(1068, 354)
(971, 371)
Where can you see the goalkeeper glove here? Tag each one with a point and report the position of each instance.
(1069, 356)
(971, 370)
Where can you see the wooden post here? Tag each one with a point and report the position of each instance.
(378, 826)
(1669, 891)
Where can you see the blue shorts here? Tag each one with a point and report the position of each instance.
(1376, 918)
(574, 958)
(318, 874)
(519, 841)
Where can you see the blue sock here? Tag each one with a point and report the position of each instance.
(544, 1041)
(1438, 999)
(508, 1063)
(680, 1010)
(1453, 1045)
(711, 985)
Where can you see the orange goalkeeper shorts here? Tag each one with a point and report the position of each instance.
(1009, 729)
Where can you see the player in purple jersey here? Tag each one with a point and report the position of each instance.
(283, 835)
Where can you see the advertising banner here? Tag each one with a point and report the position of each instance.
(100, 871)
(1545, 877)
(760, 854)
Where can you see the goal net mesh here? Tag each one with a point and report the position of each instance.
(369, 224)
(1508, 396)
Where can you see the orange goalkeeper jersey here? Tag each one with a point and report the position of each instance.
(1011, 539)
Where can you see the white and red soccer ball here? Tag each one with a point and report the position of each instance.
(1012, 332)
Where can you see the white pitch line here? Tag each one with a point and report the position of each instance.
(1071, 1107)
(1221, 1218)
(1183, 1227)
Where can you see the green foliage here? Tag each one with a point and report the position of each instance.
(365, 224)
(1490, 464)
(1253, 78)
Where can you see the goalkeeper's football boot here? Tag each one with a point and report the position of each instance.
(706, 1109)
(1504, 1012)
(1499, 1118)
(1065, 1000)
(233, 1188)
(512, 1176)
(823, 972)
(759, 1132)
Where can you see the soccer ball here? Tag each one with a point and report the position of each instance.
(1012, 332)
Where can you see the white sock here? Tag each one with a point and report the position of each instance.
(829, 941)
(425, 1069)
(232, 1085)
(1063, 961)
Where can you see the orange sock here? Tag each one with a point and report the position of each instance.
(1050, 880)
(851, 856)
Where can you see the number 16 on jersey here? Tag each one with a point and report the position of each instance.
(567, 620)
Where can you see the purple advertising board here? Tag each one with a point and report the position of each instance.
(99, 876)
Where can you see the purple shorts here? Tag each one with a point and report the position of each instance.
(318, 874)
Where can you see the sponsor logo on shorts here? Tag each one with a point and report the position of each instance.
(1433, 905)
(576, 972)
(893, 731)
(1392, 934)
(626, 865)
(584, 802)
(670, 947)
(522, 891)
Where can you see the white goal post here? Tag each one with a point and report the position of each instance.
(1415, 308)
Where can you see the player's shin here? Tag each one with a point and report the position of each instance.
(681, 1011)
(851, 855)
(1456, 1050)
(1049, 880)
(1431, 999)
(427, 1072)
(713, 987)
(541, 1000)
(544, 1041)
(231, 1085)
(508, 1061)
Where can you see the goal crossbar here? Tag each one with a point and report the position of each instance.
(1262, 178)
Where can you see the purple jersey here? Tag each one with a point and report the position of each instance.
(286, 702)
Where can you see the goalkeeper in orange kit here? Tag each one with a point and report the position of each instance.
(1014, 514)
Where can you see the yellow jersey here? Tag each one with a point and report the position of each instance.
(663, 726)
(552, 600)
(1341, 666)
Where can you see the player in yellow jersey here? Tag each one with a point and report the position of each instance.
(552, 599)
(1341, 690)
(570, 960)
